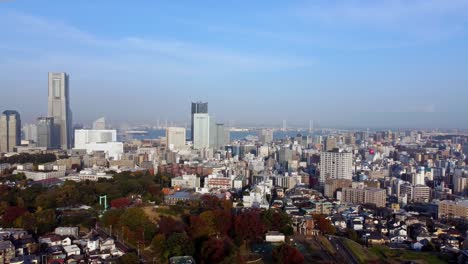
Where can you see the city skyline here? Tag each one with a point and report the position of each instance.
(273, 132)
(336, 63)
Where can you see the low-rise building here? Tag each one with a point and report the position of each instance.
(455, 209)
(186, 181)
(38, 175)
(274, 237)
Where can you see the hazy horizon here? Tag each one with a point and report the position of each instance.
(340, 63)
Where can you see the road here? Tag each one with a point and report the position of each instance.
(321, 250)
(343, 250)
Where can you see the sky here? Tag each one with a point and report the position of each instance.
(340, 63)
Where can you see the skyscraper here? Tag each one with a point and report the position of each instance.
(30, 132)
(59, 108)
(197, 108)
(10, 130)
(219, 135)
(45, 133)
(99, 124)
(201, 131)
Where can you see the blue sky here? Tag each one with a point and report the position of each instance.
(341, 63)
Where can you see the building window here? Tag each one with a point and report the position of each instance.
(56, 83)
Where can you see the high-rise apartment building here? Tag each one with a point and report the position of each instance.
(335, 165)
(460, 184)
(201, 131)
(175, 137)
(197, 108)
(219, 136)
(45, 133)
(10, 130)
(59, 108)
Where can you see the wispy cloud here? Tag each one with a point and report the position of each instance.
(185, 53)
(415, 21)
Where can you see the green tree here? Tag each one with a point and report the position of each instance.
(158, 246)
(179, 244)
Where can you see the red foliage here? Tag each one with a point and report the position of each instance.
(223, 221)
(154, 190)
(210, 202)
(324, 225)
(198, 227)
(216, 249)
(120, 202)
(168, 225)
(287, 255)
(11, 213)
(248, 225)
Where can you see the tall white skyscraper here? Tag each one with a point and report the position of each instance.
(59, 108)
(175, 137)
(197, 108)
(10, 130)
(201, 131)
(335, 165)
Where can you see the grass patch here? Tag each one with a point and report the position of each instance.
(361, 253)
(328, 246)
(154, 214)
(401, 255)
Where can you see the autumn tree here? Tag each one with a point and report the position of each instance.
(249, 226)
(120, 202)
(11, 214)
(285, 254)
(168, 225)
(324, 224)
(215, 250)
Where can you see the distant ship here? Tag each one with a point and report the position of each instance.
(137, 132)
